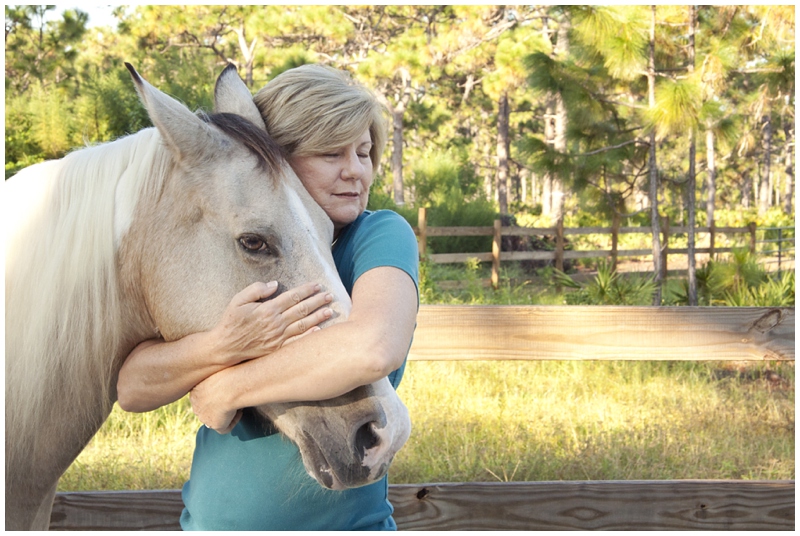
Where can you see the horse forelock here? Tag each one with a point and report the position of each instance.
(62, 305)
(269, 154)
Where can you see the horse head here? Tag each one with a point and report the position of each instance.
(233, 212)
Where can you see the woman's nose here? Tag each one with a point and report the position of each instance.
(353, 167)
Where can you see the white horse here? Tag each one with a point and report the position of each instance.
(153, 234)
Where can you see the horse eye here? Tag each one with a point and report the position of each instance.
(254, 244)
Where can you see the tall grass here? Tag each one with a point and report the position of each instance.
(595, 420)
(487, 421)
(137, 451)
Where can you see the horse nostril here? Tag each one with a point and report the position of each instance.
(366, 438)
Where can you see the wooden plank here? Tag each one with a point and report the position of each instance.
(529, 231)
(587, 230)
(117, 510)
(527, 255)
(444, 258)
(551, 231)
(617, 505)
(460, 231)
(583, 505)
(497, 332)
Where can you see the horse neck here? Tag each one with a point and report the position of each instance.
(66, 334)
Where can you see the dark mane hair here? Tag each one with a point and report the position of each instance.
(270, 155)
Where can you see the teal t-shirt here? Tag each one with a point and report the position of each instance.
(246, 480)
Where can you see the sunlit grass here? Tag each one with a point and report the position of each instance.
(137, 451)
(590, 420)
(488, 421)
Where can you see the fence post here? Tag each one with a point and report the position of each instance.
(752, 227)
(712, 231)
(422, 225)
(664, 247)
(614, 241)
(496, 241)
(560, 244)
(780, 246)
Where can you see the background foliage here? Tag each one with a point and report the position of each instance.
(538, 110)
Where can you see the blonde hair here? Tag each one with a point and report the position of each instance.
(313, 108)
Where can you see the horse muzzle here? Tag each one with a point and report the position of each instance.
(349, 441)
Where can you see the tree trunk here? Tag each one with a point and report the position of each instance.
(747, 190)
(712, 175)
(502, 153)
(692, 179)
(788, 191)
(763, 194)
(547, 178)
(560, 145)
(248, 53)
(398, 110)
(652, 169)
(397, 154)
(523, 182)
(561, 51)
(555, 130)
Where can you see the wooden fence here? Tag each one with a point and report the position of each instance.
(545, 333)
(560, 254)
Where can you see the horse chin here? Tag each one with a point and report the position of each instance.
(338, 477)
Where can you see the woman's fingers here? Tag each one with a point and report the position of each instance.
(255, 292)
(298, 303)
(293, 297)
(306, 323)
(308, 306)
(236, 418)
(301, 335)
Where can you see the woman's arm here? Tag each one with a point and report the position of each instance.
(157, 373)
(370, 344)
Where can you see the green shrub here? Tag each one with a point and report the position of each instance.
(445, 183)
(607, 288)
(739, 282)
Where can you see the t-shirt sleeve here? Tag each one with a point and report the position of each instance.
(385, 239)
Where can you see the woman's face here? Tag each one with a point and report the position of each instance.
(338, 180)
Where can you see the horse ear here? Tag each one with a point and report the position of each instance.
(232, 96)
(182, 130)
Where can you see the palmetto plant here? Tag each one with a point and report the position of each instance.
(608, 288)
(739, 282)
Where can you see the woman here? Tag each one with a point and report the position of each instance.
(333, 131)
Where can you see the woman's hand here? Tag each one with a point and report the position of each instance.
(253, 326)
(208, 403)
(211, 402)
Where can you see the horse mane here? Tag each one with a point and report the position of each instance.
(269, 154)
(63, 311)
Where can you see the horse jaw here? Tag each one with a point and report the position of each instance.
(371, 424)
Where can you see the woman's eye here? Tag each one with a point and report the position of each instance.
(254, 244)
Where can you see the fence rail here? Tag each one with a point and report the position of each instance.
(584, 505)
(560, 254)
(782, 252)
(446, 332)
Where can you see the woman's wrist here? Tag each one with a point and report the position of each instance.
(217, 349)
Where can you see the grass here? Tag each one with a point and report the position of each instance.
(490, 421)
(137, 451)
(595, 421)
